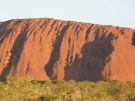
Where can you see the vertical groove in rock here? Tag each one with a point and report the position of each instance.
(88, 32)
(133, 39)
(15, 53)
(56, 51)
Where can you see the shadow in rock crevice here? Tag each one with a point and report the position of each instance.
(133, 39)
(15, 53)
(55, 52)
(94, 57)
(88, 31)
(4, 32)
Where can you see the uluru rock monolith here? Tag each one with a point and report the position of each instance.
(49, 49)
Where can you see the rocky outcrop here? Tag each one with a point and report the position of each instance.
(55, 49)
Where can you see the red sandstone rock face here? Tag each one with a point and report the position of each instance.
(55, 49)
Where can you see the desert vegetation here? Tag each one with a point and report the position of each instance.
(20, 89)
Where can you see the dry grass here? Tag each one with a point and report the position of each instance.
(20, 89)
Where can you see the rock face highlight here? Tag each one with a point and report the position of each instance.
(49, 49)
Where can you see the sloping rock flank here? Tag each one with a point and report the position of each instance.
(49, 49)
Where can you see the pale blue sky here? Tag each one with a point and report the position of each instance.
(114, 12)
